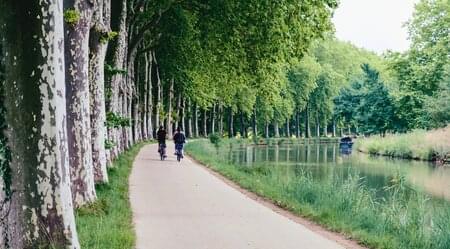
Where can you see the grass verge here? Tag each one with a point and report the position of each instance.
(107, 223)
(402, 219)
(420, 144)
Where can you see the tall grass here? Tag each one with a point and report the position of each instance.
(402, 219)
(420, 144)
(107, 223)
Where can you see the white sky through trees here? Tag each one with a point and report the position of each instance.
(377, 25)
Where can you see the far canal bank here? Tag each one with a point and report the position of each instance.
(423, 145)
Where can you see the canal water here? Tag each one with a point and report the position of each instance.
(328, 160)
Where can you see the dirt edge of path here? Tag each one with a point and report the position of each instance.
(333, 236)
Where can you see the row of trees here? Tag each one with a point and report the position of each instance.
(83, 80)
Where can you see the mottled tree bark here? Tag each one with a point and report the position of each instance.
(297, 124)
(78, 106)
(334, 128)
(98, 46)
(288, 128)
(115, 134)
(189, 121)
(4, 209)
(40, 214)
(255, 124)
(133, 82)
(159, 94)
(230, 124)
(221, 113)
(178, 108)
(183, 115)
(307, 126)
(136, 120)
(276, 129)
(149, 94)
(205, 120)
(196, 129)
(123, 113)
(169, 109)
(130, 86)
(241, 119)
(144, 92)
(317, 129)
(213, 119)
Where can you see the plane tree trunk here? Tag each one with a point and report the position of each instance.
(169, 110)
(150, 103)
(98, 45)
(276, 129)
(307, 124)
(230, 124)
(288, 128)
(78, 106)
(39, 211)
(213, 119)
(255, 123)
(115, 106)
(205, 119)
(189, 117)
(183, 115)
(159, 94)
(196, 129)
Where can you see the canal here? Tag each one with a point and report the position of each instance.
(327, 160)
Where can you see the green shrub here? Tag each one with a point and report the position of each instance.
(108, 36)
(71, 17)
(215, 138)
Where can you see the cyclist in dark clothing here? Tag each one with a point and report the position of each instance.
(179, 139)
(161, 136)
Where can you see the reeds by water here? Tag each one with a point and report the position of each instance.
(419, 144)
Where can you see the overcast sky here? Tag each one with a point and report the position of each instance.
(374, 24)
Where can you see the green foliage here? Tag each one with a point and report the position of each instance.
(215, 139)
(425, 69)
(366, 103)
(437, 107)
(109, 144)
(97, 208)
(71, 16)
(115, 121)
(110, 70)
(375, 112)
(108, 36)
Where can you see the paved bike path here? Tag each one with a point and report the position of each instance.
(183, 206)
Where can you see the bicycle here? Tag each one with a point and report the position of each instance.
(162, 151)
(179, 151)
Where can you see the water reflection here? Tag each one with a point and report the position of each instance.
(329, 160)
